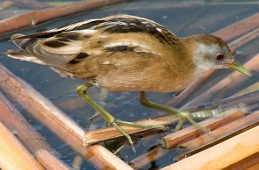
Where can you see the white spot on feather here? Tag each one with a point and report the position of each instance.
(134, 24)
(158, 29)
(106, 62)
(122, 23)
(144, 22)
(117, 44)
(144, 46)
(102, 36)
(86, 32)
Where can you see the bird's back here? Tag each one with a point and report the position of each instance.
(119, 53)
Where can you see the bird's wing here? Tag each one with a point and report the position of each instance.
(66, 46)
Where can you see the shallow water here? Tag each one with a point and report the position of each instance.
(181, 17)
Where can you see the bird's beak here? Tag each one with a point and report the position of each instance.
(235, 65)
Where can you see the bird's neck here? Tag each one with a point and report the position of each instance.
(195, 49)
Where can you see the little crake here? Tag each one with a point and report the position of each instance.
(126, 53)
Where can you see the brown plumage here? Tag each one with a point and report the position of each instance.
(126, 53)
(123, 53)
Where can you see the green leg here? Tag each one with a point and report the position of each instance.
(182, 114)
(81, 90)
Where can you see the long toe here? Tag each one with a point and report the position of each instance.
(186, 116)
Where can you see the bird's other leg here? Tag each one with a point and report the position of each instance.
(183, 115)
(81, 90)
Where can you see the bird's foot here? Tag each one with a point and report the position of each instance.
(81, 90)
(186, 117)
(183, 115)
(116, 124)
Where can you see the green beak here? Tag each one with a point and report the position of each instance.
(239, 67)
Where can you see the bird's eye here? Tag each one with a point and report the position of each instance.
(220, 57)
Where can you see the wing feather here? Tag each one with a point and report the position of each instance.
(80, 48)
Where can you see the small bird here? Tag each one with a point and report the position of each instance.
(126, 53)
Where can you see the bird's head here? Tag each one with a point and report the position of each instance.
(212, 52)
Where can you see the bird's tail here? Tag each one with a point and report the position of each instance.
(30, 50)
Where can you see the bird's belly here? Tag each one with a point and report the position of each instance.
(140, 73)
(139, 82)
